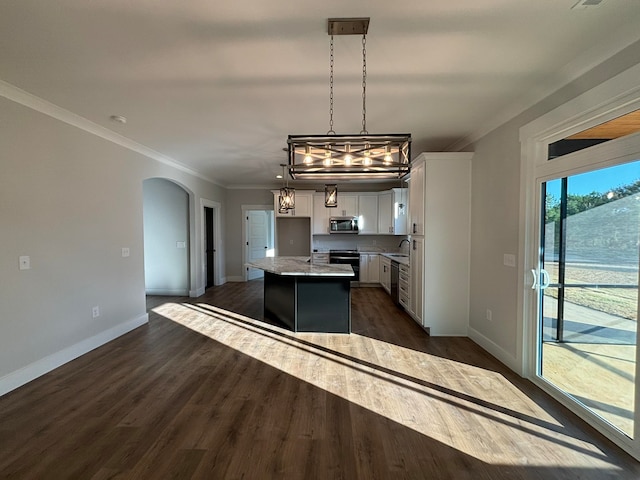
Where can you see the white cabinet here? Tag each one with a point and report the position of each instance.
(347, 205)
(392, 212)
(440, 206)
(321, 215)
(369, 268)
(385, 212)
(303, 204)
(417, 198)
(404, 281)
(368, 213)
(385, 273)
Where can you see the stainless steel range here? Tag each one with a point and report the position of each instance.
(347, 257)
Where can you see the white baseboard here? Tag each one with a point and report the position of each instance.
(196, 293)
(496, 350)
(38, 368)
(167, 292)
(236, 278)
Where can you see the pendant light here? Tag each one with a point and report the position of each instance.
(362, 155)
(287, 197)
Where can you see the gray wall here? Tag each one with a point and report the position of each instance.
(293, 236)
(71, 201)
(166, 225)
(495, 209)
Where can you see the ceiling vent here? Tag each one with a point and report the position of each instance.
(582, 4)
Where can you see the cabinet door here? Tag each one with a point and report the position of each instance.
(399, 211)
(303, 205)
(416, 199)
(347, 206)
(385, 212)
(416, 287)
(321, 216)
(374, 268)
(368, 213)
(385, 273)
(364, 268)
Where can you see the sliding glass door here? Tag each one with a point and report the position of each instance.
(587, 281)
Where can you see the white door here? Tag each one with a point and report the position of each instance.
(259, 240)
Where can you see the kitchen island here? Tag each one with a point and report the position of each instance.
(307, 297)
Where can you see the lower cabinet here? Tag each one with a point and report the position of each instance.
(385, 273)
(404, 280)
(369, 268)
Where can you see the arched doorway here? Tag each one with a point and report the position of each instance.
(166, 238)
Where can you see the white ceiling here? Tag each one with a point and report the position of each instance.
(218, 85)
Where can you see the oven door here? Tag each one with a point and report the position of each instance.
(346, 260)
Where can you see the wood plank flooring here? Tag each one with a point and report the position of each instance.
(210, 390)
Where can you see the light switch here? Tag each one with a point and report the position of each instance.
(25, 262)
(181, 244)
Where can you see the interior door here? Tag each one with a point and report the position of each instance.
(209, 246)
(259, 239)
(588, 289)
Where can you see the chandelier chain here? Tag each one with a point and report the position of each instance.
(364, 85)
(331, 131)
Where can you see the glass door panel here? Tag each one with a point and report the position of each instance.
(588, 284)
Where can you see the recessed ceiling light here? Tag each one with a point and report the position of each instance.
(278, 176)
(118, 119)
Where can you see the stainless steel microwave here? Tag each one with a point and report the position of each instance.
(343, 225)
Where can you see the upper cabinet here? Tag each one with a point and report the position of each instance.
(392, 212)
(303, 204)
(347, 205)
(368, 213)
(321, 215)
(416, 198)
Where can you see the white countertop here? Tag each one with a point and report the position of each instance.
(396, 257)
(300, 266)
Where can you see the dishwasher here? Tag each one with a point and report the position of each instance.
(395, 274)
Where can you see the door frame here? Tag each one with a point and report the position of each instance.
(245, 209)
(217, 244)
(613, 98)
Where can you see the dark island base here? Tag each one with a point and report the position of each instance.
(309, 303)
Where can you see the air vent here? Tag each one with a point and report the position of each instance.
(582, 4)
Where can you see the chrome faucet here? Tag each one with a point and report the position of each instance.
(403, 240)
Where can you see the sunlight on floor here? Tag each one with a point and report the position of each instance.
(601, 376)
(414, 394)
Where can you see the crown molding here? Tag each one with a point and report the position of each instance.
(22, 97)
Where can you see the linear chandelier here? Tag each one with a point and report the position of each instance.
(353, 156)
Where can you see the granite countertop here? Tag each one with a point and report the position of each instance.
(300, 266)
(397, 257)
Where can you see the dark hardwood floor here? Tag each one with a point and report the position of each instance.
(210, 390)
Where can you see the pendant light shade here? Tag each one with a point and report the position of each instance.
(287, 197)
(330, 196)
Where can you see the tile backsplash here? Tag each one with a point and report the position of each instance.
(364, 243)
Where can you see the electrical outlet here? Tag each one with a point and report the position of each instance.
(95, 312)
(489, 315)
(125, 252)
(181, 244)
(25, 262)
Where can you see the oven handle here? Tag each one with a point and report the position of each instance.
(344, 258)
